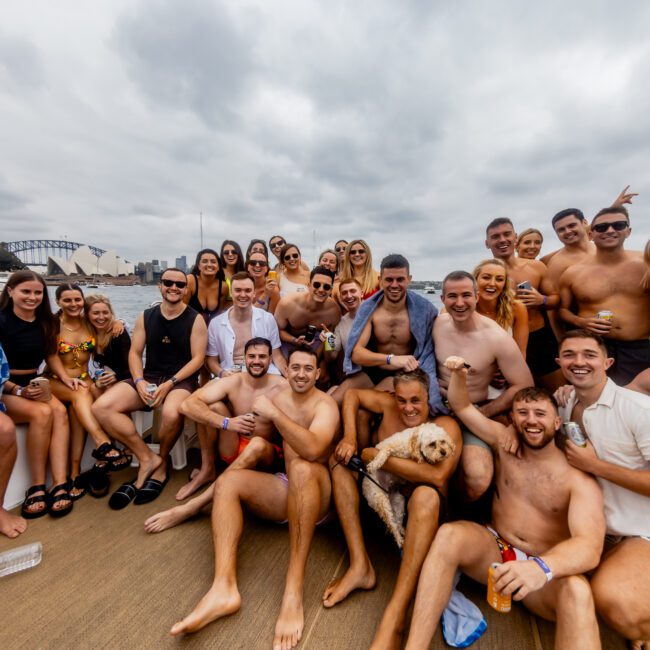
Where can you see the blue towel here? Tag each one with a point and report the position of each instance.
(422, 314)
(462, 621)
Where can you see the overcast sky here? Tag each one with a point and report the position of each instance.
(409, 124)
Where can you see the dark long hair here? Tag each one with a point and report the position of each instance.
(67, 286)
(43, 312)
(240, 256)
(199, 255)
(257, 241)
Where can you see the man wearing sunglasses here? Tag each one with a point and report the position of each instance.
(297, 311)
(611, 281)
(175, 337)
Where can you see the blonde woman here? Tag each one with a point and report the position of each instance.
(358, 265)
(529, 243)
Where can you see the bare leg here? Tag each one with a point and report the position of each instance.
(360, 380)
(360, 574)
(622, 591)
(423, 514)
(77, 443)
(60, 441)
(206, 473)
(171, 426)
(477, 467)
(10, 525)
(309, 501)
(264, 495)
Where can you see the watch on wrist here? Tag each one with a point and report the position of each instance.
(174, 380)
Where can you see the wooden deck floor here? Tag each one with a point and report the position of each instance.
(105, 583)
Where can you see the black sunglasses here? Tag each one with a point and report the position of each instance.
(616, 225)
(278, 244)
(340, 249)
(230, 251)
(257, 263)
(358, 251)
(292, 256)
(317, 285)
(174, 283)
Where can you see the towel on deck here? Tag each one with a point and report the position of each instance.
(422, 313)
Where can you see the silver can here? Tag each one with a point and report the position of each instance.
(573, 432)
(151, 388)
(605, 314)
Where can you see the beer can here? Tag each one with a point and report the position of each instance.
(498, 601)
(330, 342)
(151, 388)
(605, 314)
(272, 275)
(573, 432)
(237, 367)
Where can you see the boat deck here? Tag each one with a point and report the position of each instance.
(104, 583)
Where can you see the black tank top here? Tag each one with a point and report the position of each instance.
(168, 341)
(116, 355)
(195, 304)
(23, 342)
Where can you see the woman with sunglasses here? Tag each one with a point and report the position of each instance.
(529, 243)
(358, 265)
(207, 289)
(267, 292)
(330, 260)
(339, 249)
(233, 259)
(275, 246)
(28, 334)
(292, 277)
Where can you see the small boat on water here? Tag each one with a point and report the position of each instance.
(4, 276)
(429, 289)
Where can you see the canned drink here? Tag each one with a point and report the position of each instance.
(151, 388)
(237, 367)
(573, 432)
(272, 275)
(498, 601)
(605, 314)
(330, 342)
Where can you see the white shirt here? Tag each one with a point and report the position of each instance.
(618, 426)
(221, 336)
(342, 332)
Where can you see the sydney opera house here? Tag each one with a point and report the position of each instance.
(83, 262)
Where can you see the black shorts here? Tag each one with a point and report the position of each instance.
(190, 384)
(630, 358)
(377, 374)
(542, 351)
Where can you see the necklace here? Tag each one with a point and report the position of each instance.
(70, 329)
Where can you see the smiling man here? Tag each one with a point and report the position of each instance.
(617, 423)
(425, 485)
(546, 528)
(488, 348)
(611, 280)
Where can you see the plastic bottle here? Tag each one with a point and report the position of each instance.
(18, 559)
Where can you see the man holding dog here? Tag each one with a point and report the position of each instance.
(407, 407)
(547, 524)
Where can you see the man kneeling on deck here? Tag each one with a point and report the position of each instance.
(308, 421)
(542, 507)
(407, 407)
(246, 440)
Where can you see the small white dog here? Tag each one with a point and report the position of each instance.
(425, 443)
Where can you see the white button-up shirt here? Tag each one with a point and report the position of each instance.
(221, 336)
(618, 426)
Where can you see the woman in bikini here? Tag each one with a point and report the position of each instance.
(293, 278)
(207, 290)
(27, 334)
(70, 383)
(232, 258)
(358, 265)
(267, 292)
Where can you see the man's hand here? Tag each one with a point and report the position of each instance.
(509, 442)
(582, 458)
(624, 197)
(597, 325)
(263, 406)
(456, 364)
(405, 362)
(524, 577)
(563, 394)
(530, 297)
(105, 380)
(161, 392)
(345, 450)
(244, 424)
(143, 393)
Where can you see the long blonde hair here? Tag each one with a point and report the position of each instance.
(102, 338)
(368, 278)
(505, 315)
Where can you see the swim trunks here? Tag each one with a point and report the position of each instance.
(328, 515)
(542, 351)
(377, 374)
(190, 384)
(509, 553)
(630, 358)
(243, 443)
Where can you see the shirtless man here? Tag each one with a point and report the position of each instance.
(308, 421)
(245, 441)
(407, 407)
(392, 331)
(316, 307)
(542, 507)
(611, 280)
(617, 423)
(489, 348)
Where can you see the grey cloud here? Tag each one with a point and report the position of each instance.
(21, 62)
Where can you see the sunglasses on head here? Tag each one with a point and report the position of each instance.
(292, 256)
(358, 251)
(616, 225)
(317, 285)
(278, 244)
(257, 263)
(181, 284)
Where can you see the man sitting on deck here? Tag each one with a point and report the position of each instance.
(542, 507)
(308, 421)
(427, 487)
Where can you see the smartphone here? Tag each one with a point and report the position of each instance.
(311, 334)
(527, 286)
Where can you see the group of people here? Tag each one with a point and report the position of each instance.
(294, 376)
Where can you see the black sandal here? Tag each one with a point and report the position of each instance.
(99, 482)
(78, 483)
(31, 500)
(113, 463)
(63, 495)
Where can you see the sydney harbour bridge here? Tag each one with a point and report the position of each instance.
(36, 251)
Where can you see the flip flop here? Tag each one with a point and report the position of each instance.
(123, 495)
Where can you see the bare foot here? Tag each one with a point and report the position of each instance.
(640, 645)
(354, 578)
(168, 518)
(197, 481)
(218, 602)
(147, 469)
(11, 525)
(288, 628)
